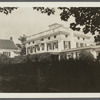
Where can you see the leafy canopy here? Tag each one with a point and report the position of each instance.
(88, 17)
(7, 10)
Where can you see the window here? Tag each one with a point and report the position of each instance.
(83, 38)
(7, 54)
(38, 48)
(78, 38)
(28, 50)
(28, 42)
(81, 44)
(42, 46)
(67, 45)
(42, 39)
(49, 46)
(55, 36)
(55, 45)
(48, 38)
(66, 36)
(31, 49)
(34, 49)
(77, 45)
(33, 42)
(77, 54)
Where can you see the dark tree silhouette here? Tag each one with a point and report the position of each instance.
(23, 40)
(7, 10)
(89, 17)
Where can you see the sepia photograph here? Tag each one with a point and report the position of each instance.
(49, 49)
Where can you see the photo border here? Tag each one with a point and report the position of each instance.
(61, 96)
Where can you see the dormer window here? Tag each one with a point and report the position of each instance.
(55, 36)
(66, 36)
(78, 38)
(28, 42)
(42, 39)
(48, 38)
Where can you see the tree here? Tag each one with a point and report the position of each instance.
(23, 48)
(88, 17)
(86, 56)
(7, 10)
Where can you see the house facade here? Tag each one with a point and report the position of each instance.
(59, 39)
(8, 48)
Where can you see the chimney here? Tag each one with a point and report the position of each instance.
(11, 38)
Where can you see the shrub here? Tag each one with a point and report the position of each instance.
(43, 57)
(86, 56)
(19, 59)
(63, 56)
(4, 59)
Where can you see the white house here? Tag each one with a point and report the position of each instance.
(8, 48)
(61, 39)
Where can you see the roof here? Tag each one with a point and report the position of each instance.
(55, 24)
(7, 44)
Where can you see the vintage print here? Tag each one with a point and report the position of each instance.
(49, 49)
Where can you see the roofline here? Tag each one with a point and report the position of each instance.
(55, 24)
(77, 49)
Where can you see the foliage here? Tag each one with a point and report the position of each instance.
(7, 10)
(86, 56)
(47, 10)
(23, 48)
(87, 17)
(43, 57)
(19, 60)
(63, 56)
(4, 59)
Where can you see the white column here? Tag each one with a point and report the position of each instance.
(74, 55)
(94, 53)
(45, 46)
(60, 45)
(73, 43)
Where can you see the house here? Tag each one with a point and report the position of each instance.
(8, 48)
(59, 39)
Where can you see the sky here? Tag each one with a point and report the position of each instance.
(25, 20)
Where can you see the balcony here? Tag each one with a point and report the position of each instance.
(47, 32)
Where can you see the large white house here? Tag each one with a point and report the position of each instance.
(61, 39)
(8, 48)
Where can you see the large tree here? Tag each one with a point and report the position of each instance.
(87, 17)
(22, 45)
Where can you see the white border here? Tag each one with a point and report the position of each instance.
(49, 95)
(49, 4)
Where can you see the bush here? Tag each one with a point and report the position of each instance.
(4, 59)
(19, 59)
(43, 57)
(63, 56)
(86, 56)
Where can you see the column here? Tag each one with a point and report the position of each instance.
(60, 45)
(74, 55)
(45, 46)
(94, 53)
(72, 42)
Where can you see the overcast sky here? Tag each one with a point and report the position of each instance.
(26, 21)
